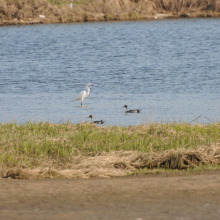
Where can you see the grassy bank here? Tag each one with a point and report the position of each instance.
(41, 150)
(59, 11)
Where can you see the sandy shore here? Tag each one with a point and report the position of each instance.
(144, 197)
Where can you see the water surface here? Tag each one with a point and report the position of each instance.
(167, 68)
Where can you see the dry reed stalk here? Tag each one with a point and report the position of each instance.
(99, 10)
(180, 159)
(180, 5)
(121, 163)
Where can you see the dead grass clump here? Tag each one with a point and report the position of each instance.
(10, 11)
(180, 159)
(22, 173)
(183, 5)
(16, 174)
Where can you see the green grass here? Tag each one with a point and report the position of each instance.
(32, 144)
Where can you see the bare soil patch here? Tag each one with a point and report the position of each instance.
(144, 197)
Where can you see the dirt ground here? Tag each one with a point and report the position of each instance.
(194, 196)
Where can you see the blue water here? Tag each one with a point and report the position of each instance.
(168, 68)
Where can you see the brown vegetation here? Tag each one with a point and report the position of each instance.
(59, 11)
(121, 163)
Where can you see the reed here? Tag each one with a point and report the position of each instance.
(28, 11)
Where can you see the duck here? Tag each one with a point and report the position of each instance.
(96, 122)
(131, 111)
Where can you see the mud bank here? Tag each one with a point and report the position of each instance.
(146, 197)
(13, 12)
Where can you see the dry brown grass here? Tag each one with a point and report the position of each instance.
(183, 5)
(28, 11)
(121, 163)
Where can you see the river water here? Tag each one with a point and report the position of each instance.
(168, 68)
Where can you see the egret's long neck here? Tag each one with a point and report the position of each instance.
(88, 91)
(91, 119)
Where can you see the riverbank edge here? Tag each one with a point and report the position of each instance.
(86, 173)
(46, 150)
(102, 18)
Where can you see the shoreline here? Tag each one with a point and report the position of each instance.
(36, 22)
(72, 11)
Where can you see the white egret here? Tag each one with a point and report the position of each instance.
(83, 94)
(131, 111)
(96, 122)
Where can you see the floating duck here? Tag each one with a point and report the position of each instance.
(131, 111)
(96, 122)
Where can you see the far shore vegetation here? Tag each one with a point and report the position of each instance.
(14, 12)
(45, 150)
